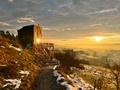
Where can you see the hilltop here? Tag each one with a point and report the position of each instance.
(18, 67)
(21, 69)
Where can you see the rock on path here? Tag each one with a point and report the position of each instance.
(46, 81)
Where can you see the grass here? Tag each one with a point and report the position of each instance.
(12, 61)
(10, 71)
(90, 78)
(87, 77)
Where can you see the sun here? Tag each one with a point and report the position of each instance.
(98, 38)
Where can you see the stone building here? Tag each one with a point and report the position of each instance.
(30, 35)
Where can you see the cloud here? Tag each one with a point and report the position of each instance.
(5, 24)
(94, 25)
(102, 32)
(58, 29)
(63, 19)
(62, 5)
(114, 44)
(103, 11)
(23, 20)
(10, 0)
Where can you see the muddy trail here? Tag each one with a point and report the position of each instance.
(47, 81)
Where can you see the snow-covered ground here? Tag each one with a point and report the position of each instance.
(77, 82)
(98, 71)
(16, 82)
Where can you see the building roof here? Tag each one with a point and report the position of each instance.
(29, 26)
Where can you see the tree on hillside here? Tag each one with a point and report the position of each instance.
(10, 37)
(101, 81)
(2, 33)
(115, 70)
(67, 58)
(7, 35)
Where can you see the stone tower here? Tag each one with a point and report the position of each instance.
(30, 35)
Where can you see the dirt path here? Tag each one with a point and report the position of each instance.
(47, 81)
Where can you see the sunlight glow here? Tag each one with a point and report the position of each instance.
(98, 38)
(38, 40)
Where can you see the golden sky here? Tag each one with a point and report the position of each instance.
(91, 42)
(91, 24)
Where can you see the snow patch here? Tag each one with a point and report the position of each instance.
(77, 82)
(2, 46)
(2, 65)
(54, 68)
(18, 49)
(24, 72)
(14, 82)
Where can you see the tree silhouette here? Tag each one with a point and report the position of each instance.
(115, 70)
(67, 58)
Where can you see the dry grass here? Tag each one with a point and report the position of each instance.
(10, 71)
(91, 79)
(12, 61)
(4, 41)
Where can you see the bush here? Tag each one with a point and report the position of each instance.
(83, 62)
(67, 58)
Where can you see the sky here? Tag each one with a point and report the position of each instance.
(93, 24)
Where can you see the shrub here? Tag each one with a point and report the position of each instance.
(83, 62)
(67, 59)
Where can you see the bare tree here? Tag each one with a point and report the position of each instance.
(100, 81)
(115, 70)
